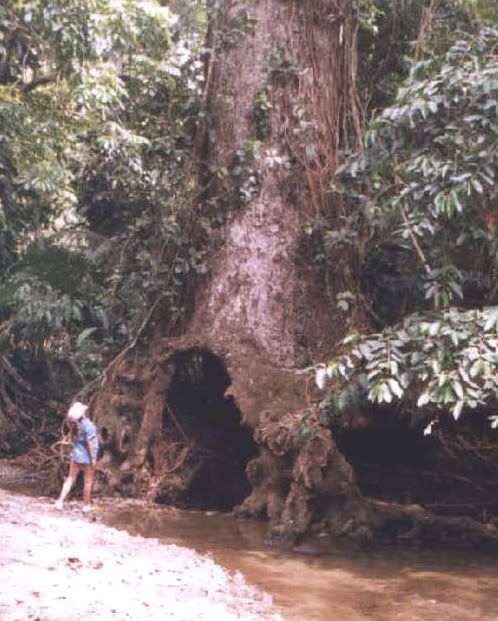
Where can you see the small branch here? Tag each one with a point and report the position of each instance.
(175, 420)
(420, 252)
(425, 29)
(101, 378)
(31, 86)
(414, 239)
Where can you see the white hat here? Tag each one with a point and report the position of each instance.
(77, 411)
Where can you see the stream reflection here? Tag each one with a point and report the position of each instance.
(327, 584)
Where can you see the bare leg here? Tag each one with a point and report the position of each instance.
(87, 486)
(66, 488)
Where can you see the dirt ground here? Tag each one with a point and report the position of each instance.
(67, 567)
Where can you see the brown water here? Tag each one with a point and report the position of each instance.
(327, 584)
(322, 583)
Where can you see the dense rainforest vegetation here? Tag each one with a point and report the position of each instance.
(99, 103)
(141, 142)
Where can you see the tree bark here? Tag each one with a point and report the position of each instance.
(280, 93)
(296, 57)
(280, 90)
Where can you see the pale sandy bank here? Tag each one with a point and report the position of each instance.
(57, 567)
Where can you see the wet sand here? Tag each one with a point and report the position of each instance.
(62, 566)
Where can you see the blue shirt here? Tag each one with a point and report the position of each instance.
(87, 433)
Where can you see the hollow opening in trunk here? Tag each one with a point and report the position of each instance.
(211, 421)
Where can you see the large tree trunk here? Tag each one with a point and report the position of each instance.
(278, 94)
(280, 91)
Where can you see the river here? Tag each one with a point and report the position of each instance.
(327, 584)
(322, 583)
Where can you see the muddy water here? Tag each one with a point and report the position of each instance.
(321, 583)
(327, 584)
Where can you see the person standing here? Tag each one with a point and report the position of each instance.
(85, 447)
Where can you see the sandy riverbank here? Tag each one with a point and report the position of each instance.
(64, 567)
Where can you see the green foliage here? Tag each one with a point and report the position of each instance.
(444, 361)
(241, 26)
(262, 112)
(48, 294)
(370, 15)
(97, 112)
(245, 171)
(423, 195)
(68, 68)
(486, 10)
(387, 40)
(425, 184)
(99, 102)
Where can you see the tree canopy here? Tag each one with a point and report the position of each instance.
(101, 102)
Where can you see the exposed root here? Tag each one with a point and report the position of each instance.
(182, 441)
(413, 524)
(305, 486)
